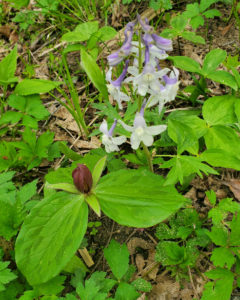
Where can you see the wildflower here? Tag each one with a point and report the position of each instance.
(118, 56)
(148, 80)
(82, 178)
(115, 86)
(111, 143)
(151, 37)
(140, 131)
(168, 92)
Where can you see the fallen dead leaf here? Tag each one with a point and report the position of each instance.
(234, 185)
(136, 242)
(140, 262)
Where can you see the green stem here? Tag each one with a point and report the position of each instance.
(149, 157)
(75, 98)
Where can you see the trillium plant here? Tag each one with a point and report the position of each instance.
(143, 80)
(55, 227)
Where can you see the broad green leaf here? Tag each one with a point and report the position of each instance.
(212, 60)
(35, 86)
(74, 264)
(67, 187)
(221, 256)
(222, 286)
(236, 75)
(192, 10)
(220, 110)
(51, 287)
(50, 236)
(98, 169)
(219, 235)
(221, 158)
(82, 32)
(126, 291)
(223, 77)
(137, 198)
(94, 73)
(186, 63)
(8, 67)
(117, 257)
(237, 110)
(223, 138)
(191, 36)
(93, 203)
(7, 215)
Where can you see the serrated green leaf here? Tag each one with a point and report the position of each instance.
(52, 232)
(142, 285)
(179, 22)
(197, 21)
(221, 288)
(212, 60)
(191, 36)
(235, 231)
(117, 257)
(204, 4)
(8, 68)
(163, 232)
(223, 256)
(219, 235)
(211, 13)
(220, 158)
(126, 291)
(169, 253)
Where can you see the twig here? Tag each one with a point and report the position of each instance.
(193, 286)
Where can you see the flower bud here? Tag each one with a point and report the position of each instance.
(82, 178)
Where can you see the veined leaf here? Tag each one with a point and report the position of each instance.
(137, 198)
(50, 236)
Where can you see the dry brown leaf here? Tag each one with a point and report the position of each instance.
(142, 297)
(186, 294)
(136, 242)
(191, 194)
(94, 143)
(140, 262)
(5, 30)
(166, 288)
(234, 185)
(150, 263)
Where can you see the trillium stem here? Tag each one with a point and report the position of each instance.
(149, 157)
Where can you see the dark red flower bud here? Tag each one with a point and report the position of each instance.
(82, 178)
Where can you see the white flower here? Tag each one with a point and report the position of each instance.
(168, 91)
(142, 133)
(111, 143)
(114, 88)
(148, 80)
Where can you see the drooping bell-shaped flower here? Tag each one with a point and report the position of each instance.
(169, 89)
(82, 178)
(118, 56)
(111, 143)
(151, 37)
(141, 132)
(114, 88)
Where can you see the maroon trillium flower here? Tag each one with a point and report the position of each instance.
(82, 178)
